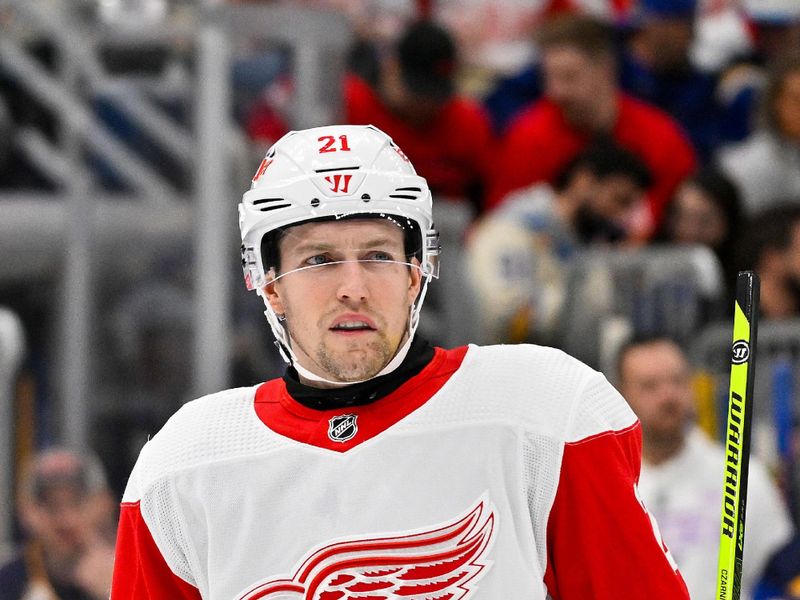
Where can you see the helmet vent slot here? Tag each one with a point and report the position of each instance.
(356, 168)
(408, 195)
(271, 204)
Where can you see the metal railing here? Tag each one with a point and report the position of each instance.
(613, 294)
(60, 238)
(12, 352)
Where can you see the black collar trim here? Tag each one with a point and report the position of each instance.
(419, 355)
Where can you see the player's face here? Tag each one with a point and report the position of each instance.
(347, 320)
(655, 380)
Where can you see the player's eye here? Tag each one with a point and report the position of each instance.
(380, 255)
(317, 259)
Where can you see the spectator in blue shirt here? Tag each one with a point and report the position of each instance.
(656, 66)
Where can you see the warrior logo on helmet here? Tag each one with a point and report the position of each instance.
(340, 184)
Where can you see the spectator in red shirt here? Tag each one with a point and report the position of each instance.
(446, 136)
(583, 102)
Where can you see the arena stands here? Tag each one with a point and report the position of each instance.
(126, 139)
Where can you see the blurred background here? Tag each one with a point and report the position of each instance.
(600, 168)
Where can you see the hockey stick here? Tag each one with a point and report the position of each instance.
(737, 437)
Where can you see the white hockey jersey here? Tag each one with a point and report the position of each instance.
(505, 472)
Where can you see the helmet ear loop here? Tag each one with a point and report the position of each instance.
(276, 323)
(416, 307)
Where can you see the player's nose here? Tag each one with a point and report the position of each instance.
(353, 284)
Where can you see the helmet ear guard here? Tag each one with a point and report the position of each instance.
(253, 271)
(433, 249)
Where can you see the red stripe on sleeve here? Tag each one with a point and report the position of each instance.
(601, 542)
(140, 571)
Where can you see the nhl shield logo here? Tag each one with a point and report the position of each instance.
(342, 428)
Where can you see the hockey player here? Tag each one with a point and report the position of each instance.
(380, 467)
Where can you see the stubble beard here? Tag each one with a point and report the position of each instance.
(357, 363)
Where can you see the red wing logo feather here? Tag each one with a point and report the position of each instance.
(443, 563)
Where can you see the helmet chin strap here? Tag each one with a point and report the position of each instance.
(283, 341)
(391, 366)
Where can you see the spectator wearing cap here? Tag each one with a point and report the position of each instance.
(775, 27)
(68, 516)
(582, 103)
(656, 66)
(446, 136)
(519, 256)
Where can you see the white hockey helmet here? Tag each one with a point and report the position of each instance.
(334, 172)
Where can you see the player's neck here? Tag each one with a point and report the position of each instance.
(365, 392)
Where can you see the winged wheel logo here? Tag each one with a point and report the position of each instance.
(442, 563)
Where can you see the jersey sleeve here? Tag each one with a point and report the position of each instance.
(602, 543)
(142, 568)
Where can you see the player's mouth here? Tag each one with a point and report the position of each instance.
(352, 325)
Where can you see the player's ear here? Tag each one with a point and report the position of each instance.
(414, 280)
(272, 294)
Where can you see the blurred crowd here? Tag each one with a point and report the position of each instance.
(68, 517)
(502, 106)
(564, 129)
